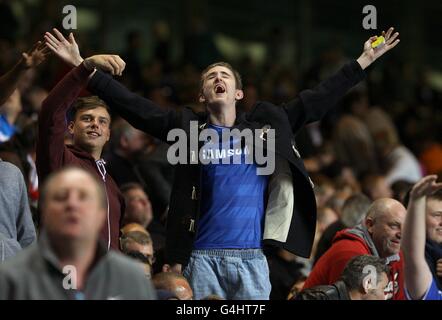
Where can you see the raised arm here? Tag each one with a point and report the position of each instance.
(370, 54)
(312, 104)
(28, 60)
(52, 120)
(141, 113)
(418, 276)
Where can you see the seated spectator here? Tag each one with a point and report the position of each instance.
(139, 210)
(379, 235)
(419, 281)
(69, 262)
(16, 227)
(138, 245)
(353, 212)
(354, 147)
(127, 143)
(135, 158)
(174, 283)
(397, 161)
(355, 283)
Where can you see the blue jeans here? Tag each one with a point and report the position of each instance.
(233, 274)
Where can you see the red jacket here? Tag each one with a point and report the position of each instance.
(346, 245)
(52, 153)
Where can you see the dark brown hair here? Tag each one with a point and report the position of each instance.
(236, 74)
(86, 103)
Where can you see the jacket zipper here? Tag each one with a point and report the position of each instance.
(102, 169)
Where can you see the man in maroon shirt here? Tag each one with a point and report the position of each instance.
(89, 124)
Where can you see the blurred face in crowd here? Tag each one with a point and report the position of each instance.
(378, 292)
(326, 217)
(434, 220)
(91, 129)
(134, 141)
(138, 207)
(385, 227)
(219, 88)
(145, 249)
(72, 209)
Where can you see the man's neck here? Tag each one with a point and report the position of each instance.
(354, 295)
(81, 255)
(222, 116)
(95, 153)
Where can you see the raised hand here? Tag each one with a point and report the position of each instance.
(369, 55)
(106, 62)
(34, 56)
(425, 187)
(66, 49)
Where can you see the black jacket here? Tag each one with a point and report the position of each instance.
(287, 120)
(336, 291)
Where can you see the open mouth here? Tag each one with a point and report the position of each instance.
(220, 89)
(93, 134)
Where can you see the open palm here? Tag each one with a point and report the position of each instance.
(425, 187)
(390, 42)
(35, 56)
(65, 49)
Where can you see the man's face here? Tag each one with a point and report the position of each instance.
(72, 207)
(434, 220)
(91, 128)
(138, 207)
(378, 293)
(386, 229)
(219, 88)
(145, 249)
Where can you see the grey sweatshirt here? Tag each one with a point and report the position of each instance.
(36, 274)
(17, 230)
